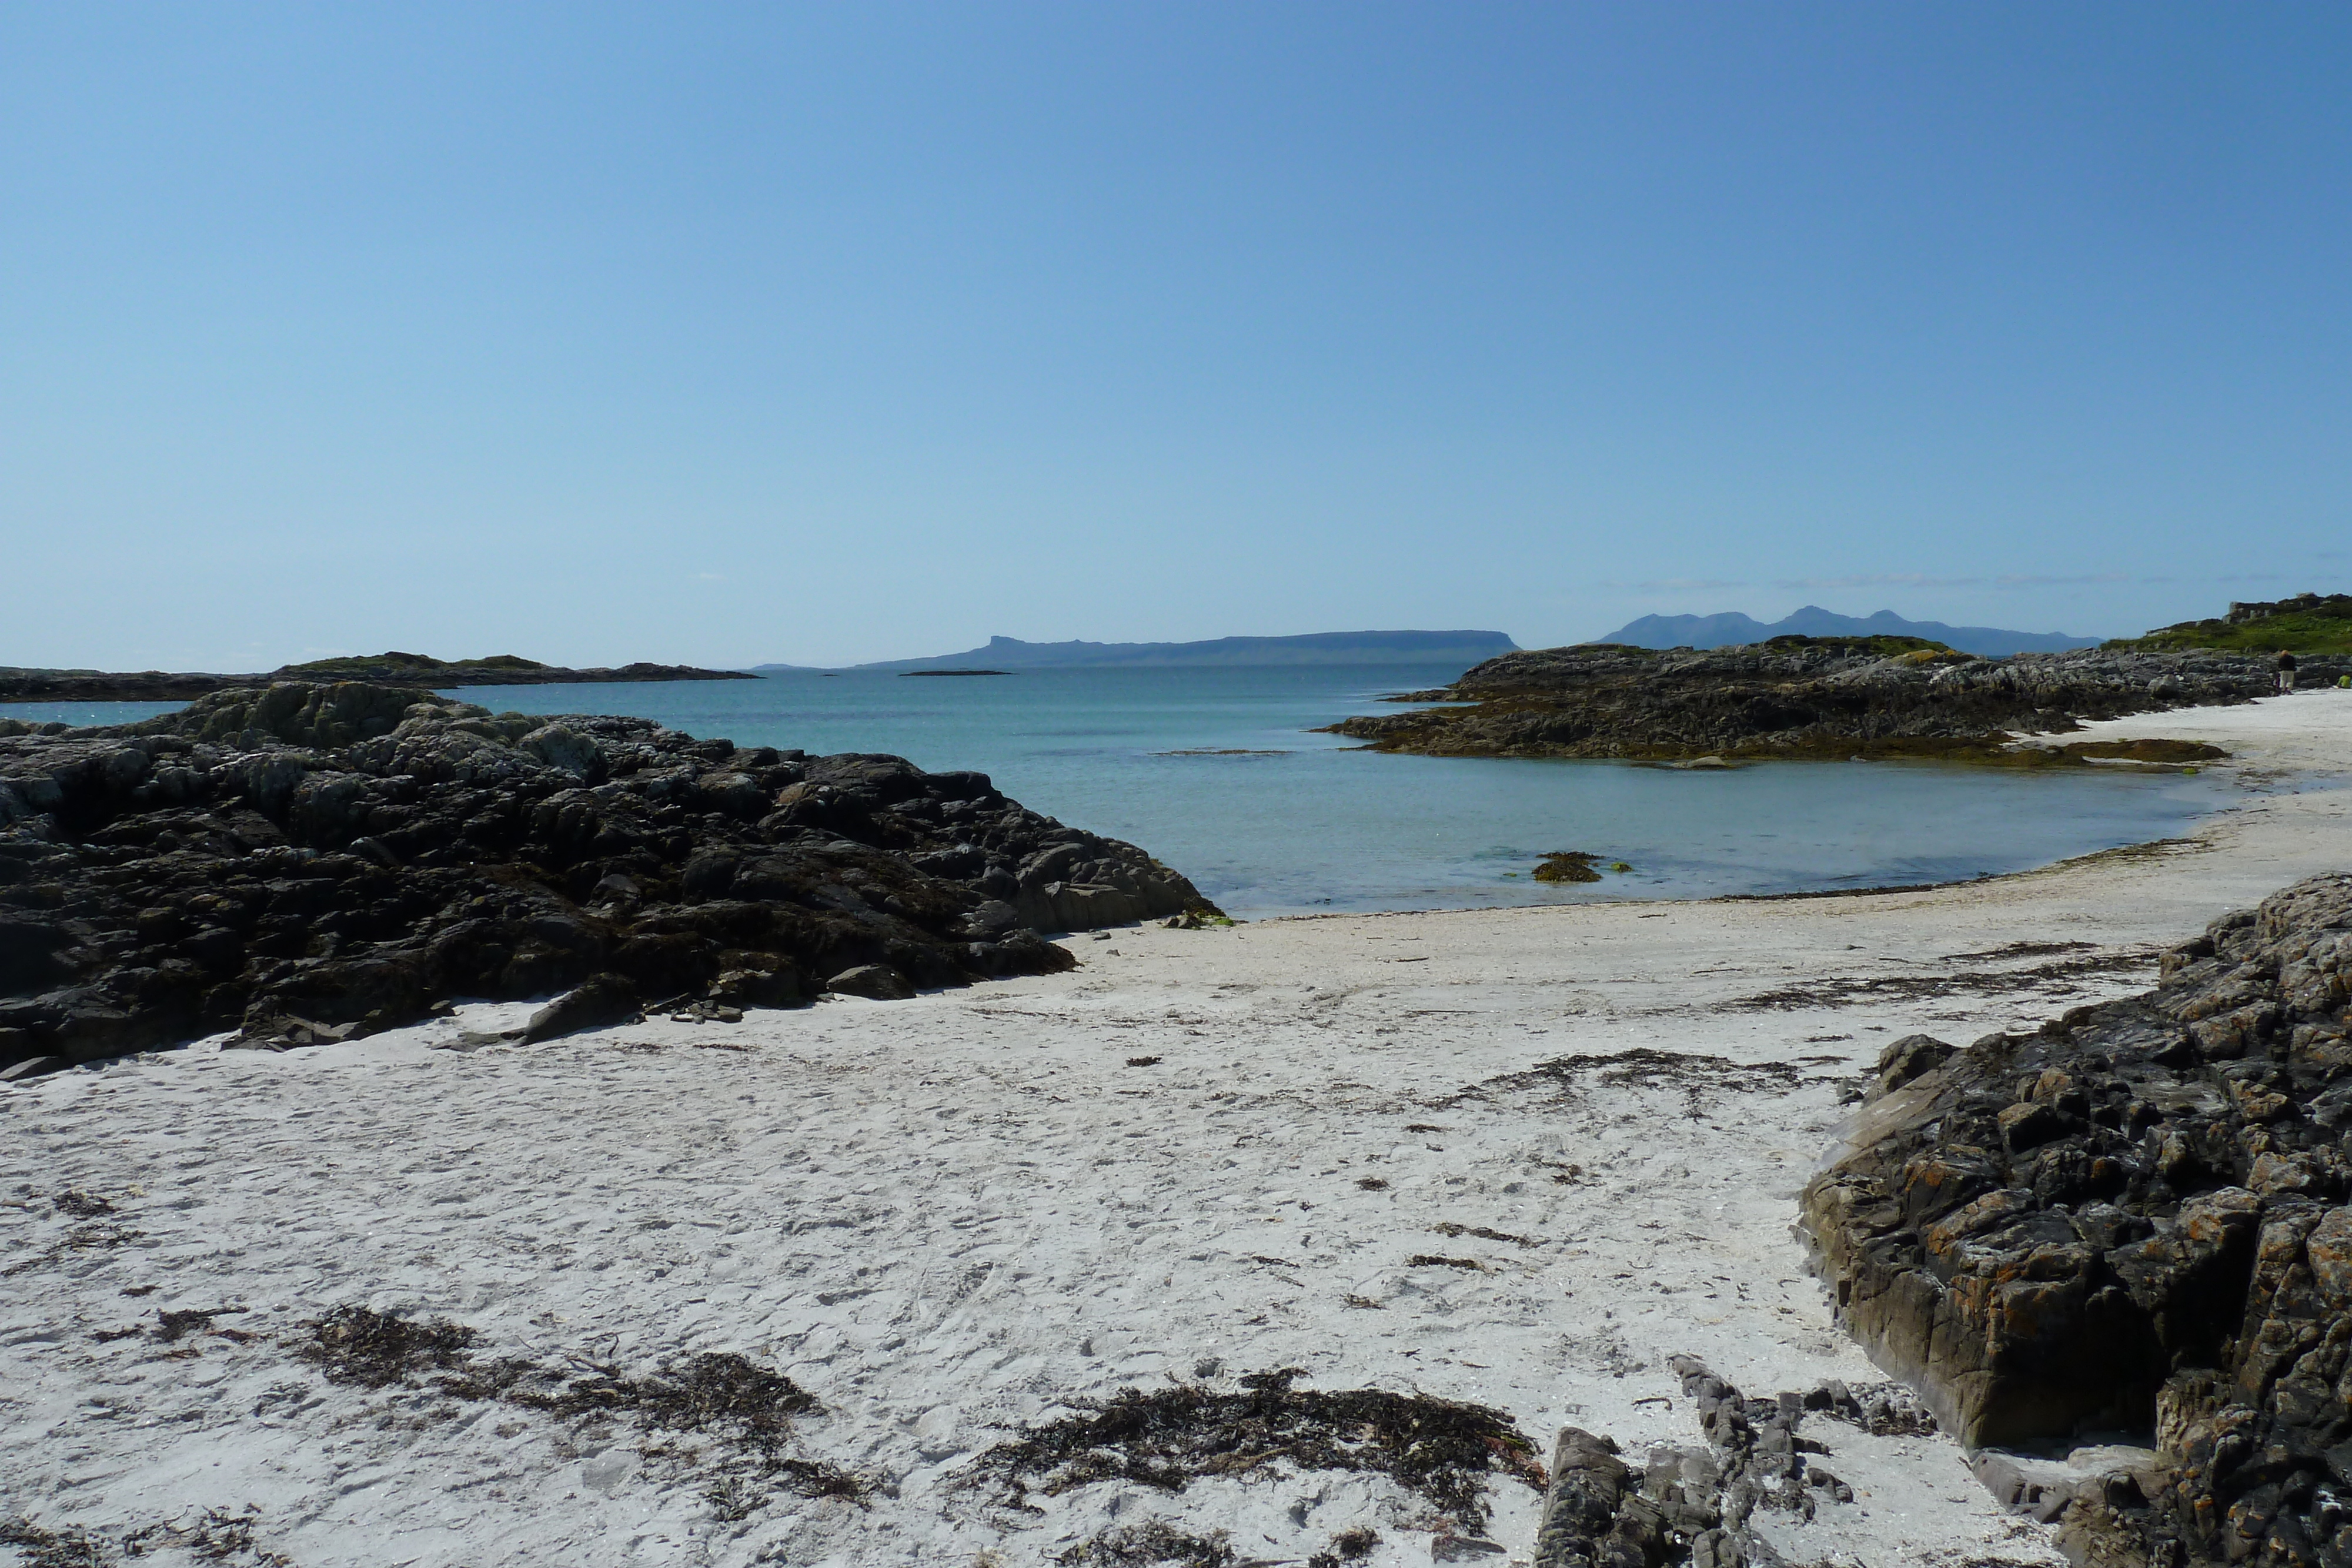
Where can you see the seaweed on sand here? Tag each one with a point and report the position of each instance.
(174, 1326)
(40, 1548)
(1153, 1541)
(1695, 1074)
(1440, 1449)
(747, 1406)
(1348, 1546)
(718, 1392)
(378, 1350)
(219, 1536)
(1454, 1228)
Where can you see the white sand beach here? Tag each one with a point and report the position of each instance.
(1200, 1155)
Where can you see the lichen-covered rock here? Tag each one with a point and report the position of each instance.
(2134, 1219)
(313, 861)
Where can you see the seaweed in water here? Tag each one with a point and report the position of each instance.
(1432, 1260)
(1153, 1541)
(1440, 1449)
(1567, 865)
(83, 1204)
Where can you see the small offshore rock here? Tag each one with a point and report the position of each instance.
(1567, 865)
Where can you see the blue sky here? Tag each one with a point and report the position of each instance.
(823, 333)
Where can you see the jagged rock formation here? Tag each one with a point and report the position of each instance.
(1694, 1505)
(393, 669)
(2133, 1219)
(307, 861)
(1802, 696)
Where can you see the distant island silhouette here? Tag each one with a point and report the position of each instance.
(1003, 654)
(1732, 629)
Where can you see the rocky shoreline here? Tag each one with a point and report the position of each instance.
(312, 862)
(2132, 1221)
(29, 685)
(1802, 697)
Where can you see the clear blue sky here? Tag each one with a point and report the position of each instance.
(821, 333)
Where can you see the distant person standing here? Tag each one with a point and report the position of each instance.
(2285, 672)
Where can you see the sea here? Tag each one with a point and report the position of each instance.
(1220, 773)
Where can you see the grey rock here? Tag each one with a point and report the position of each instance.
(559, 747)
(879, 982)
(1911, 1057)
(598, 1002)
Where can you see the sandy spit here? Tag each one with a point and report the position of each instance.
(1200, 1155)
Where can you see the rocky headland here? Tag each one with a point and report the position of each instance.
(308, 861)
(2306, 623)
(1812, 697)
(396, 669)
(2131, 1222)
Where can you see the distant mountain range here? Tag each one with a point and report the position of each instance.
(1731, 629)
(1009, 653)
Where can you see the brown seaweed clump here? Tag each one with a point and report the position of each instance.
(1153, 1541)
(379, 1350)
(748, 1406)
(1567, 865)
(1439, 1449)
(718, 1392)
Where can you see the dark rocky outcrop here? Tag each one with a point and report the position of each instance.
(1811, 698)
(394, 669)
(2133, 1221)
(307, 862)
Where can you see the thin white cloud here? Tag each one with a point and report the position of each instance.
(1882, 580)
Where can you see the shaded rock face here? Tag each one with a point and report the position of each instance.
(309, 860)
(1798, 696)
(2134, 1219)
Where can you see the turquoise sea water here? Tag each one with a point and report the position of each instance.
(1306, 823)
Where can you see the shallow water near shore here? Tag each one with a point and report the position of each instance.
(1214, 772)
